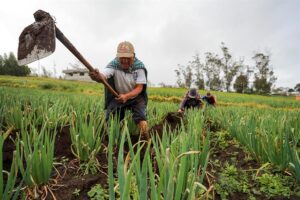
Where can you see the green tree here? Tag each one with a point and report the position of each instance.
(229, 66)
(1, 65)
(198, 68)
(9, 66)
(212, 70)
(216, 83)
(264, 78)
(241, 83)
(187, 74)
(178, 76)
(291, 90)
(297, 87)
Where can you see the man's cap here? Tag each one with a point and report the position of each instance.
(193, 93)
(125, 49)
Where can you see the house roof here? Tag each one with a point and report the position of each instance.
(68, 71)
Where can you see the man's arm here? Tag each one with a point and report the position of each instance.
(130, 95)
(182, 104)
(97, 76)
(215, 100)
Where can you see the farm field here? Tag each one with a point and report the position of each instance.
(56, 145)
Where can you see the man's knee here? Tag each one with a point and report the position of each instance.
(143, 126)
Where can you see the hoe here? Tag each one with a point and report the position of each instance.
(37, 41)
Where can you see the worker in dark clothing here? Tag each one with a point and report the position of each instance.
(191, 100)
(210, 99)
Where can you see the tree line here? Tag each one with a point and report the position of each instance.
(9, 66)
(214, 73)
(224, 72)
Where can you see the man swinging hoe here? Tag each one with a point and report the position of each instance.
(124, 78)
(128, 75)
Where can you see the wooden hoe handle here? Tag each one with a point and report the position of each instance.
(60, 36)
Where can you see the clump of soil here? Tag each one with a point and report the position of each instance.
(8, 149)
(63, 143)
(212, 126)
(172, 120)
(73, 181)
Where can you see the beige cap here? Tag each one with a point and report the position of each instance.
(125, 49)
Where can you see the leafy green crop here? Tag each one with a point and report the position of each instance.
(232, 180)
(273, 185)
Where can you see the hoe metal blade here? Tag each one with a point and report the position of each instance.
(37, 40)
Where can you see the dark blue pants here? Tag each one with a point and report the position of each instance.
(137, 106)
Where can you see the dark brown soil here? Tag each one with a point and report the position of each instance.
(8, 149)
(172, 119)
(73, 180)
(63, 143)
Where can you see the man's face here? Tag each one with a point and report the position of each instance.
(126, 62)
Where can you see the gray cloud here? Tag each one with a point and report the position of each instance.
(165, 33)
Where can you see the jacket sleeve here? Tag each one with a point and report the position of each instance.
(182, 104)
(199, 105)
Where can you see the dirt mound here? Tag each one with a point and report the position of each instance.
(8, 149)
(72, 181)
(63, 143)
(172, 120)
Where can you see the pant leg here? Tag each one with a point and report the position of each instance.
(116, 109)
(138, 108)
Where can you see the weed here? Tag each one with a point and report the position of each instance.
(273, 185)
(76, 192)
(98, 193)
(230, 181)
(223, 137)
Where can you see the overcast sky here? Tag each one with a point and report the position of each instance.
(164, 32)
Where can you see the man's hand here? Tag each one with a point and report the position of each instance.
(96, 75)
(180, 111)
(123, 98)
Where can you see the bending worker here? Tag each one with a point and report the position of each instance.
(191, 100)
(128, 76)
(210, 99)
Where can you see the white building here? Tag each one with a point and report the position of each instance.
(77, 75)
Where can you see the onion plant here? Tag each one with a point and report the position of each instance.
(111, 179)
(35, 148)
(86, 134)
(182, 161)
(268, 134)
(2, 118)
(295, 161)
(14, 116)
(8, 184)
(181, 164)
